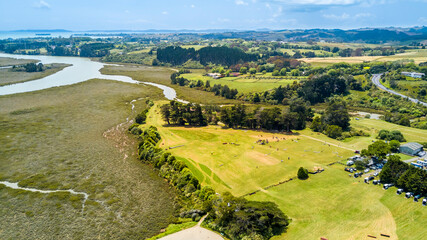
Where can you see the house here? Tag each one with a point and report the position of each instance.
(413, 74)
(214, 75)
(411, 148)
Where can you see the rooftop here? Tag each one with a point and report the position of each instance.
(412, 145)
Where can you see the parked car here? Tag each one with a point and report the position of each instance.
(399, 191)
(387, 185)
(425, 201)
(375, 182)
(416, 198)
(409, 194)
(367, 170)
(376, 174)
(349, 163)
(370, 178)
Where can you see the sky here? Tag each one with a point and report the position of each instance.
(85, 15)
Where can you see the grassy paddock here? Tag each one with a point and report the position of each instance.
(69, 138)
(245, 83)
(419, 56)
(330, 204)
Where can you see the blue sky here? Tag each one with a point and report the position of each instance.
(83, 15)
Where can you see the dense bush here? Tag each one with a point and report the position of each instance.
(302, 173)
(404, 176)
(239, 218)
(393, 135)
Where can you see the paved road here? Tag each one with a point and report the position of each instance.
(376, 80)
(194, 233)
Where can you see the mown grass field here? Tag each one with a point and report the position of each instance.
(71, 138)
(245, 83)
(335, 206)
(162, 76)
(214, 154)
(418, 56)
(10, 77)
(329, 204)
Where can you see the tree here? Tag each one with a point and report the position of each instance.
(379, 149)
(336, 113)
(302, 173)
(392, 170)
(290, 120)
(243, 70)
(252, 71)
(394, 145)
(256, 98)
(333, 131)
(316, 125)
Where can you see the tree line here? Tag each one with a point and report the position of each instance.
(217, 89)
(176, 55)
(405, 176)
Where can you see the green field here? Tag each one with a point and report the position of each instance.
(335, 206)
(330, 204)
(418, 56)
(7, 76)
(245, 83)
(71, 137)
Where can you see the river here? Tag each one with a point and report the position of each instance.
(81, 69)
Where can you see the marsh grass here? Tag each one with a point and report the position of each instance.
(69, 138)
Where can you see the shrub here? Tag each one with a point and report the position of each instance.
(302, 173)
(333, 131)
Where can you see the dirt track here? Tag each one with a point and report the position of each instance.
(194, 233)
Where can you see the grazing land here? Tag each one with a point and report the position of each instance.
(246, 83)
(74, 137)
(331, 204)
(335, 206)
(7, 76)
(418, 56)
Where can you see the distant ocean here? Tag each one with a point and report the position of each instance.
(65, 34)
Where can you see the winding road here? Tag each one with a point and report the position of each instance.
(376, 80)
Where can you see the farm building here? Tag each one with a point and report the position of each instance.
(411, 148)
(413, 74)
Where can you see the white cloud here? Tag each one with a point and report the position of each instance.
(42, 4)
(165, 13)
(337, 17)
(422, 20)
(346, 16)
(241, 2)
(223, 20)
(278, 12)
(321, 2)
(192, 6)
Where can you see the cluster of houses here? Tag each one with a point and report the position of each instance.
(413, 74)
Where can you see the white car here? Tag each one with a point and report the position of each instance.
(367, 170)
